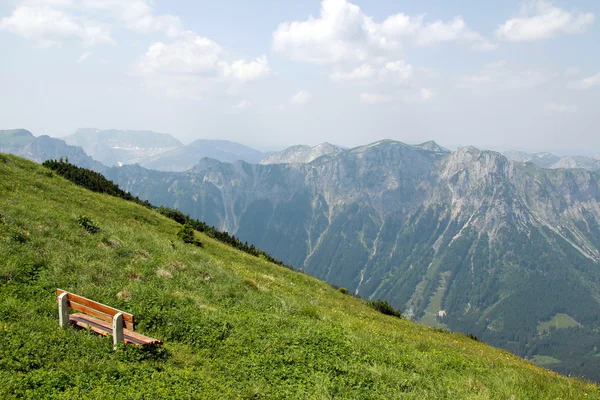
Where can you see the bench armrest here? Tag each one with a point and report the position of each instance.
(117, 329)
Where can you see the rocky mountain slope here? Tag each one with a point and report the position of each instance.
(467, 240)
(301, 154)
(21, 142)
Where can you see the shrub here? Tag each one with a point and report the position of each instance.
(186, 234)
(88, 224)
(473, 337)
(385, 308)
(343, 290)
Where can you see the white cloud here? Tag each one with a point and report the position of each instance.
(375, 98)
(408, 95)
(301, 98)
(84, 57)
(542, 20)
(425, 94)
(390, 72)
(243, 105)
(399, 70)
(361, 73)
(343, 33)
(50, 27)
(193, 65)
(138, 16)
(573, 70)
(586, 83)
(455, 30)
(188, 65)
(246, 71)
(198, 56)
(560, 108)
(501, 75)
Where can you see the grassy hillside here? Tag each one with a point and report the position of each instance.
(234, 325)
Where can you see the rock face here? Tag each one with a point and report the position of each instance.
(118, 147)
(21, 142)
(498, 246)
(301, 154)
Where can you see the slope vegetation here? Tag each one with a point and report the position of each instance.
(234, 325)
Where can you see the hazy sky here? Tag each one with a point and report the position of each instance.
(500, 74)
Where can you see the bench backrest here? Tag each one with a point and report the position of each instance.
(95, 309)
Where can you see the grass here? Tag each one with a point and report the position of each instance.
(234, 325)
(545, 360)
(435, 305)
(559, 321)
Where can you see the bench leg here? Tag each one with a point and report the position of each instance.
(63, 310)
(117, 330)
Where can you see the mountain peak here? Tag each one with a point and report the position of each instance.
(302, 154)
(15, 133)
(432, 146)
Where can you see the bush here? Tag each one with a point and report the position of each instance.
(473, 337)
(343, 290)
(385, 308)
(186, 234)
(88, 224)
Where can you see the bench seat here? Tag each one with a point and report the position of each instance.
(100, 318)
(105, 328)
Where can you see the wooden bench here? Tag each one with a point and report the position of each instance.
(99, 318)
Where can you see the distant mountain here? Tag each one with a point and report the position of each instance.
(589, 163)
(301, 154)
(21, 142)
(548, 160)
(466, 240)
(542, 160)
(432, 146)
(118, 147)
(185, 157)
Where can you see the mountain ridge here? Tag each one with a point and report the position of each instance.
(23, 143)
(549, 160)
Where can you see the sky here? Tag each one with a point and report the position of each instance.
(503, 75)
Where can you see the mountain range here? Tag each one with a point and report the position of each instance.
(158, 151)
(467, 240)
(185, 157)
(97, 149)
(549, 160)
(118, 147)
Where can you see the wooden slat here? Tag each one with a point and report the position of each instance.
(105, 329)
(96, 313)
(95, 305)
